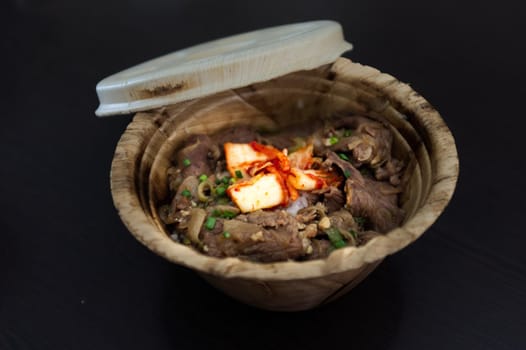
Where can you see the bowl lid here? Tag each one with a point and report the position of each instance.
(219, 65)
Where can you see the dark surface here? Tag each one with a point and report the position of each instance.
(71, 277)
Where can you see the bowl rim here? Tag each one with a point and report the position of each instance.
(444, 179)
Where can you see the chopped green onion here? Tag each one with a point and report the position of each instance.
(226, 234)
(186, 193)
(335, 237)
(239, 174)
(210, 223)
(339, 244)
(347, 173)
(228, 214)
(334, 234)
(186, 162)
(220, 190)
(333, 140)
(343, 156)
(203, 178)
(360, 220)
(224, 180)
(347, 133)
(225, 214)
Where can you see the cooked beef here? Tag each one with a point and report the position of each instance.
(166, 214)
(370, 141)
(320, 249)
(186, 193)
(194, 158)
(366, 236)
(333, 198)
(309, 214)
(389, 171)
(343, 220)
(241, 134)
(275, 218)
(379, 138)
(251, 241)
(332, 160)
(357, 199)
(312, 197)
(377, 201)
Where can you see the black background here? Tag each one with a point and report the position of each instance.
(72, 277)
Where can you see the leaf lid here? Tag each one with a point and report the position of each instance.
(220, 65)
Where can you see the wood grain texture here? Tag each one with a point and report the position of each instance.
(422, 138)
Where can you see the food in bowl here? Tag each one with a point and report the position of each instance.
(294, 195)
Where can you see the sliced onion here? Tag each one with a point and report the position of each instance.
(197, 217)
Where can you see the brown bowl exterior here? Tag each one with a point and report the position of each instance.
(422, 139)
